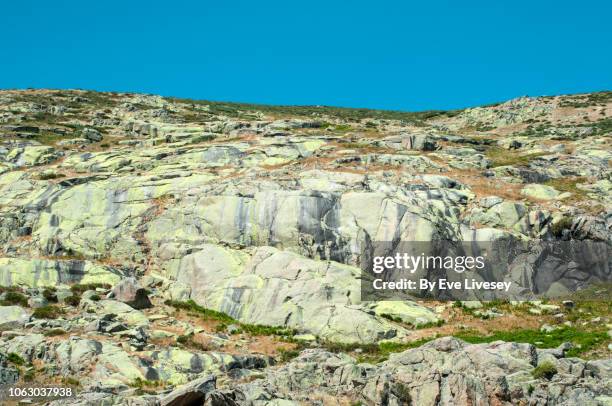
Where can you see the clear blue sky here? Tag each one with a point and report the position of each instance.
(403, 55)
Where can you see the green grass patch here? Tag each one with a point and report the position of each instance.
(569, 184)
(145, 386)
(78, 289)
(582, 339)
(342, 127)
(203, 312)
(51, 138)
(373, 353)
(15, 359)
(73, 300)
(225, 319)
(287, 355)
(504, 157)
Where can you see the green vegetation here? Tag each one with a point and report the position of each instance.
(504, 157)
(564, 224)
(398, 319)
(29, 375)
(587, 100)
(351, 114)
(188, 341)
(582, 339)
(145, 386)
(545, 370)
(15, 359)
(201, 311)
(49, 294)
(50, 175)
(287, 355)
(342, 127)
(14, 298)
(73, 300)
(402, 393)
(592, 301)
(10, 289)
(54, 332)
(50, 138)
(567, 184)
(602, 127)
(373, 353)
(78, 289)
(209, 314)
(139, 383)
(67, 380)
(431, 324)
(47, 312)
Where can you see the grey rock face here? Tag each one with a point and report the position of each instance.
(444, 371)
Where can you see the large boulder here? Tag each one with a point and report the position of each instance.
(191, 394)
(281, 288)
(420, 142)
(540, 192)
(130, 292)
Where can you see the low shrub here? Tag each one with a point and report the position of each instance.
(15, 359)
(47, 312)
(545, 370)
(14, 298)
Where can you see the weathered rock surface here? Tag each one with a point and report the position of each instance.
(444, 371)
(118, 210)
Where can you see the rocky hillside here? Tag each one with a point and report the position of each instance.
(178, 252)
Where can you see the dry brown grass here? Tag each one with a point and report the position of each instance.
(458, 321)
(482, 186)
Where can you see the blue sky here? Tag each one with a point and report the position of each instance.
(401, 55)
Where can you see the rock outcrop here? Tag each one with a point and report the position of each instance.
(164, 251)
